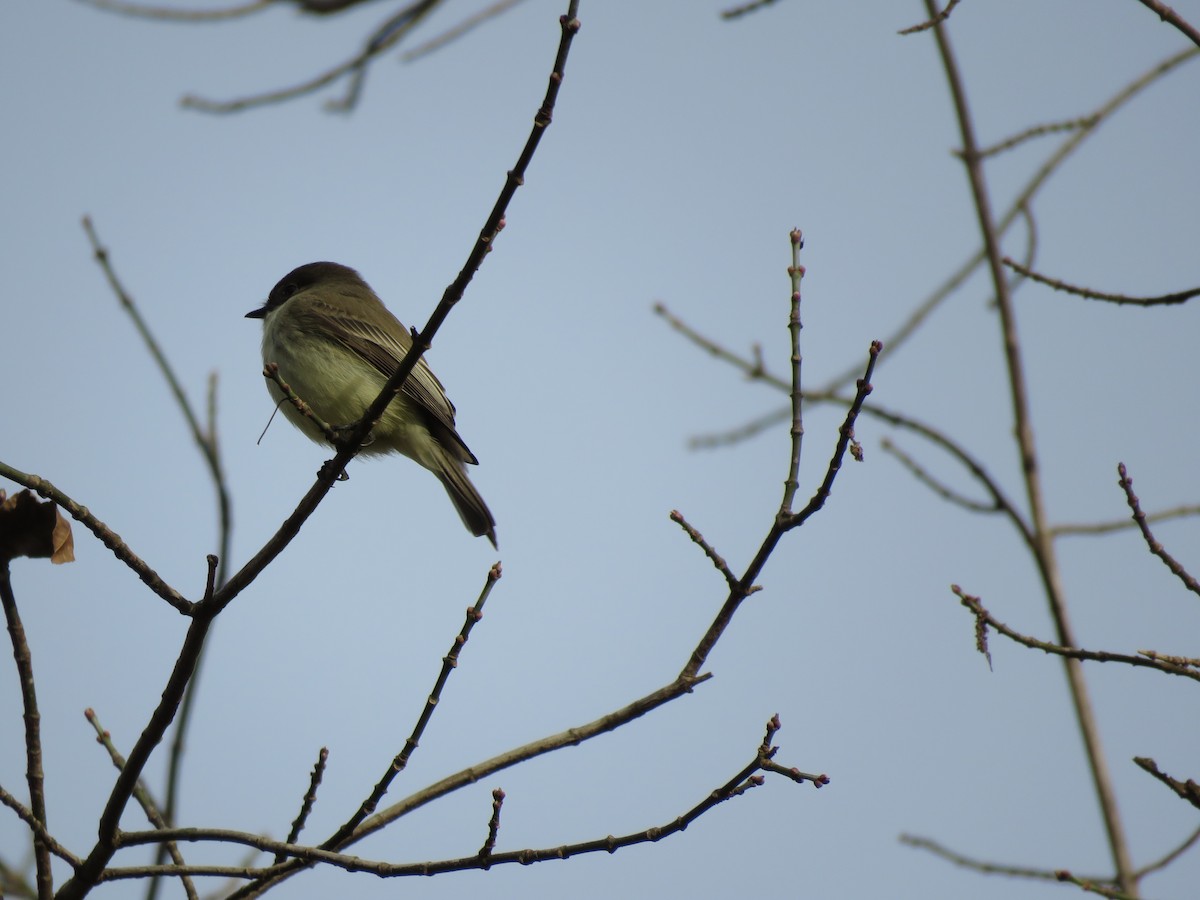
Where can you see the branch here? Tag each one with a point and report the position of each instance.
(1092, 294)
(744, 780)
(25, 814)
(716, 558)
(931, 22)
(138, 10)
(306, 805)
(976, 865)
(465, 26)
(34, 775)
(1163, 515)
(1185, 790)
(736, 12)
(1022, 201)
(984, 618)
(1036, 131)
(385, 36)
(106, 535)
(1154, 546)
(1043, 543)
(142, 795)
(1169, 15)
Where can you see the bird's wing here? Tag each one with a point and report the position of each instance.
(384, 352)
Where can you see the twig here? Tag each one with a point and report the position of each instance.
(400, 761)
(944, 491)
(142, 11)
(1154, 546)
(1099, 887)
(977, 865)
(385, 36)
(34, 775)
(736, 786)
(25, 814)
(1169, 15)
(716, 558)
(271, 373)
(931, 22)
(1170, 856)
(1023, 199)
(795, 326)
(106, 535)
(982, 615)
(1185, 790)
(1092, 294)
(759, 372)
(1183, 661)
(1163, 515)
(1036, 131)
(845, 438)
(736, 12)
(489, 843)
(142, 795)
(452, 34)
(306, 805)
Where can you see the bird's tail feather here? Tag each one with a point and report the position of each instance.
(471, 508)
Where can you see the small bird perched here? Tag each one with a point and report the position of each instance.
(336, 344)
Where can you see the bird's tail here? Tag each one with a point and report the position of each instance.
(471, 508)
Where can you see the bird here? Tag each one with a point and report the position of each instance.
(336, 344)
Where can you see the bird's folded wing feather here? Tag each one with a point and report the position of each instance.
(384, 352)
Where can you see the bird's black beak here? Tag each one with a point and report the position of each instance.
(260, 313)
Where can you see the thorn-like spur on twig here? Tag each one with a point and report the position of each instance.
(493, 826)
(717, 559)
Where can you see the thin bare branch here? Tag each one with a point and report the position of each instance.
(931, 22)
(736, 12)
(716, 558)
(1186, 790)
(1092, 294)
(983, 616)
(1167, 14)
(1022, 201)
(25, 814)
(385, 36)
(106, 535)
(795, 325)
(306, 805)
(489, 844)
(142, 795)
(1154, 546)
(1036, 131)
(736, 786)
(976, 865)
(1163, 515)
(168, 13)
(1043, 546)
(35, 776)
(465, 26)
(944, 491)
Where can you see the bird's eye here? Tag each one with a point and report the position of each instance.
(282, 292)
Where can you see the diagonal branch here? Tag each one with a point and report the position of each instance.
(1155, 547)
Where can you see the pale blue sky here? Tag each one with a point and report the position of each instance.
(683, 150)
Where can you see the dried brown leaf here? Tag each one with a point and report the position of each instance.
(34, 529)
